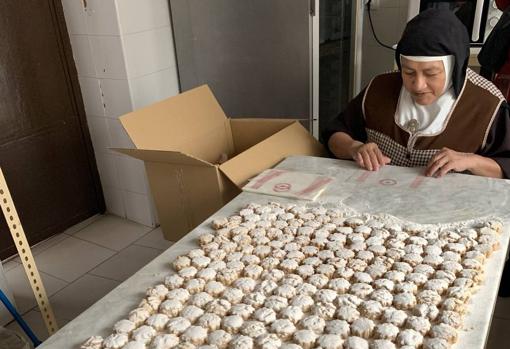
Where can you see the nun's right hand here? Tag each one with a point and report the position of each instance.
(369, 156)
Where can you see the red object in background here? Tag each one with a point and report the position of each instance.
(505, 69)
(502, 4)
(502, 77)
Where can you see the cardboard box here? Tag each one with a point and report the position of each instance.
(181, 139)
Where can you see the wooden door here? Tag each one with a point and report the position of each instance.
(45, 148)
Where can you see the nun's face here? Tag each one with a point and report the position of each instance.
(425, 81)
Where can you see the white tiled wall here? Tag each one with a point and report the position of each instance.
(389, 20)
(124, 55)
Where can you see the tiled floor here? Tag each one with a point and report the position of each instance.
(81, 265)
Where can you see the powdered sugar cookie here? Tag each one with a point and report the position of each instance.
(209, 321)
(177, 325)
(362, 327)
(313, 323)
(305, 338)
(124, 326)
(243, 310)
(173, 281)
(445, 332)
(285, 290)
(157, 321)
(404, 301)
(371, 309)
(435, 343)
(255, 299)
(340, 285)
(419, 324)
(325, 310)
(195, 285)
(386, 331)
(338, 327)
(284, 328)
(181, 262)
(233, 295)
(115, 341)
(293, 313)
(382, 344)
(143, 334)
(426, 310)
(138, 316)
(164, 341)
(330, 341)
(266, 287)
(253, 329)
(347, 313)
(429, 297)
(382, 296)
(195, 335)
(355, 342)
(192, 313)
(232, 324)
(361, 290)
(214, 288)
(219, 338)
(268, 341)
(207, 274)
(318, 280)
(303, 301)
(218, 306)
(410, 337)
(394, 316)
(450, 318)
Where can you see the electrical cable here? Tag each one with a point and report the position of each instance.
(372, 27)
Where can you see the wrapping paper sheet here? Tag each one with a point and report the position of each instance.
(290, 184)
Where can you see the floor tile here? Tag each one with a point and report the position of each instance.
(502, 309)
(10, 264)
(126, 262)
(112, 232)
(155, 239)
(498, 334)
(36, 323)
(71, 258)
(80, 295)
(22, 292)
(77, 227)
(44, 245)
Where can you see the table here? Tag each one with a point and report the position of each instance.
(401, 192)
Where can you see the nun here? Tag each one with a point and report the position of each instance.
(433, 112)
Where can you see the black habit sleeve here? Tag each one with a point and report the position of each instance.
(498, 140)
(350, 121)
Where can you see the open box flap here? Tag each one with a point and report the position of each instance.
(292, 140)
(164, 156)
(191, 122)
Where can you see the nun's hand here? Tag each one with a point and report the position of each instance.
(447, 160)
(369, 156)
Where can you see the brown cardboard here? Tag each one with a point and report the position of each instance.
(181, 138)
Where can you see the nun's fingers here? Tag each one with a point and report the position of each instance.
(440, 154)
(374, 156)
(359, 160)
(436, 165)
(367, 162)
(450, 166)
(380, 157)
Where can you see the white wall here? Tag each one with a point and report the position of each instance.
(124, 55)
(389, 21)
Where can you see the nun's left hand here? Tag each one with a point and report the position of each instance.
(447, 160)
